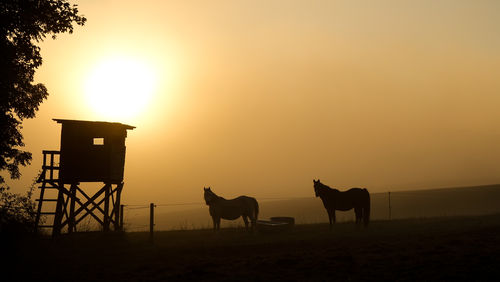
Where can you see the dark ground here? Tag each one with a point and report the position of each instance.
(436, 249)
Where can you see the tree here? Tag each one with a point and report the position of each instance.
(23, 25)
(17, 212)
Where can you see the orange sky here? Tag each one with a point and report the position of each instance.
(260, 97)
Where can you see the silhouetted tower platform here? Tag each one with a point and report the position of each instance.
(91, 151)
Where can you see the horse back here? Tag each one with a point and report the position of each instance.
(352, 198)
(357, 195)
(233, 208)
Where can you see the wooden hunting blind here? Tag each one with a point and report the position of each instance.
(90, 151)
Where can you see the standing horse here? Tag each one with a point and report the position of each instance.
(333, 199)
(244, 206)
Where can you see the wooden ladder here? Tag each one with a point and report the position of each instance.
(49, 178)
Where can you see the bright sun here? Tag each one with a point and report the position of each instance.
(120, 89)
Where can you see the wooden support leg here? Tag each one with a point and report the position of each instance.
(116, 207)
(39, 209)
(59, 212)
(71, 219)
(106, 207)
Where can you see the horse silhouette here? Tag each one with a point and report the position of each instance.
(244, 206)
(354, 198)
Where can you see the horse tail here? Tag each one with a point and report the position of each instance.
(366, 211)
(256, 210)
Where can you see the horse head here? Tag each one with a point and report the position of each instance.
(317, 185)
(209, 195)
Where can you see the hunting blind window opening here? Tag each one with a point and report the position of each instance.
(98, 141)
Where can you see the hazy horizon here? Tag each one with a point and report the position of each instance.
(262, 97)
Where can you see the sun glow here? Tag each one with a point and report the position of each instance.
(120, 89)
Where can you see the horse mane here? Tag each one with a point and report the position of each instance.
(326, 187)
(215, 195)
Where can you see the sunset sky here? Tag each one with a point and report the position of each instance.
(262, 97)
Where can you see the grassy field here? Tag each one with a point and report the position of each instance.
(445, 248)
(477, 200)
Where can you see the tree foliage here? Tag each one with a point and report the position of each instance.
(23, 25)
(17, 212)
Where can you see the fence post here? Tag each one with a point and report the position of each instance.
(390, 215)
(151, 220)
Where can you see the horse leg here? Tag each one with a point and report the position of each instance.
(331, 217)
(253, 221)
(245, 219)
(215, 223)
(361, 215)
(366, 214)
(357, 212)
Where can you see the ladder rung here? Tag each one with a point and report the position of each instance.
(51, 152)
(47, 178)
(48, 187)
(46, 200)
(47, 213)
(53, 167)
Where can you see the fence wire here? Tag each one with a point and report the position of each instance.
(385, 206)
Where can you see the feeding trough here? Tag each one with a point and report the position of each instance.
(276, 224)
(286, 219)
